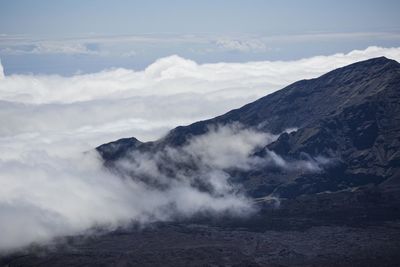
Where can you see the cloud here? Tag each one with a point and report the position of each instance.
(95, 45)
(48, 121)
(331, 36)
(43, 196)
(175, 75)
(120, 47)
(250, 45)
(59, 48)
(308, 163)
(228, 147)
(131, 53)
(171, 91)
(50, 47)
(202, 163)
(1, 71)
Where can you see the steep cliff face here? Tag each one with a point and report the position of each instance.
(347, 130)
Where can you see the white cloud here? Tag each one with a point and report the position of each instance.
(132, 45)
(175, 75)
(48, 47)
(311, 164)
(60, 48)
(331, 36)
(43, 196)
(120, 46)
(228, 147)
(245, 45)
(48, 121)
(171, 91)
(1, 71)
(207, 160)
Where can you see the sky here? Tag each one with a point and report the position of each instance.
(69, 37)
(78, 74)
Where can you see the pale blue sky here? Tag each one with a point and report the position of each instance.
(47, 36)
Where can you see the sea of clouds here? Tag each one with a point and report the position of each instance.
(52, 182)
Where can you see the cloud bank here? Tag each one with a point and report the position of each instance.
(49, 187)
(42, 197)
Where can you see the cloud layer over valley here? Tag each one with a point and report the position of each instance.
(50, 187)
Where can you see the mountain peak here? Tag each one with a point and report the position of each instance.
(380, 61)
(367, 67)
(347, 117)
(298, 105)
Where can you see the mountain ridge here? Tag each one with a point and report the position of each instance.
(381, 61)
(348, 115)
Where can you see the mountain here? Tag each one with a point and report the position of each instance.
(347, 122)
(326, 183)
